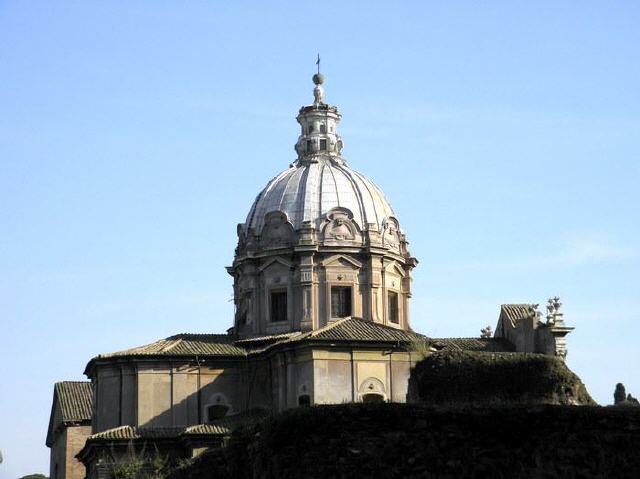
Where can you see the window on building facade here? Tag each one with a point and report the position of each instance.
(323, 144)
(340, 301)
(278, 306)
(323, 128)
(372, 398)
(311, 128)
(392, 309)
(308, 145)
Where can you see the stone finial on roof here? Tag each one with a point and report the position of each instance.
(535, 312)
(554, 316)
(619, 395)
(486, 332)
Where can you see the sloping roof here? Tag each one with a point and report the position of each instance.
(75, 399)
(132, 432)
(515, 313)
(222, 426)
(354, 330)
(227, 424)
(185, 345)
(262, 341)
(74, 402)
(215, 429)
(223, 345)
(493, 345)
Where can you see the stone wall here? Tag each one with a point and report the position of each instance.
(165, 394)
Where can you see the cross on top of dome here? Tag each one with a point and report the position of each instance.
(318, 91)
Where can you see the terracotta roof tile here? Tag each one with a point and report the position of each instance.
(262, 341)
(184, 345)
(131, 432)
(75, 399)
(189, 345)
(516, 312)
(356, 330)
(227, 424)
(493, 345)
(219, 427)
(215, 429)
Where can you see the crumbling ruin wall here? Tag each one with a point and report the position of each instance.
(412, 440)
(478, 378)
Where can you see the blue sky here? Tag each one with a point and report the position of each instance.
(135, 135)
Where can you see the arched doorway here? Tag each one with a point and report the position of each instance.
(372, 390)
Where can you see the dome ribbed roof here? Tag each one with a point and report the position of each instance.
(308, 191)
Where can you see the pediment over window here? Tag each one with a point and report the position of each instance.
(340, 260)
(276, 262)
(395, 268)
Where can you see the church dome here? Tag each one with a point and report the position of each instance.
(320, 242)
(320, 181)
(308, 191)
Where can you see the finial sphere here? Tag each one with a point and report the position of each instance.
(318, 79)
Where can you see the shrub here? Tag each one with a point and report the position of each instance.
(476, 378)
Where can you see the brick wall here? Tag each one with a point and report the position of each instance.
(75, 439)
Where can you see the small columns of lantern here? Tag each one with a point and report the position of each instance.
(319, 124)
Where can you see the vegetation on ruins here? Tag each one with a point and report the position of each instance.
(480, 378)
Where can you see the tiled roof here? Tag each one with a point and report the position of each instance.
(189, 345)
(227, 424)
(219, 427)
(215, 429)
(184, 345)
(261, 341)
(493, 345)
(516, 312)
(131, 432)
(355, 329)
(75, 399)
